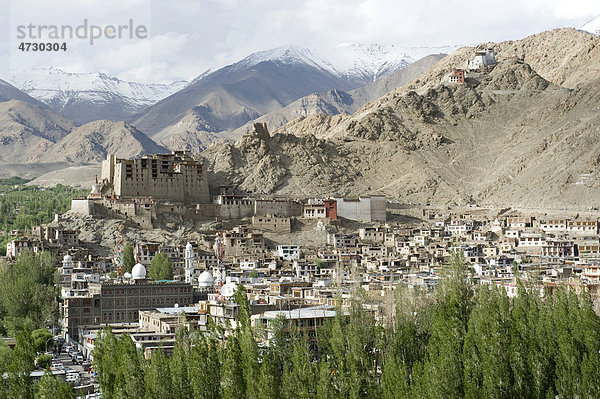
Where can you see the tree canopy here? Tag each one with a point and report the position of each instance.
(27, 292)
(160, 267)
(128, 258)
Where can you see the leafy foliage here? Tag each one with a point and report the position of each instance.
(42, 339)
(22, 207)
(160, 267)
(128, 258)
(27, 292)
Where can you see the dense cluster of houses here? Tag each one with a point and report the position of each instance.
(305, 283)
(356, 245)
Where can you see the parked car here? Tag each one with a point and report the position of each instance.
(79, 359)
(72, 377)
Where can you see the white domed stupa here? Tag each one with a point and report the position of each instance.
(228, 290)
(67, 262)
(138, 272)
(205, 280)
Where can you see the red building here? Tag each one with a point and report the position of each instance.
(457, 76)
(330, 209)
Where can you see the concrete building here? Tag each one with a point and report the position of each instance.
(457, 76)
(176, 176)
(372, 234)
(275, 224)
(304, 320)
(482, 58)
(241, 240)
(339, 240)
(288, 252)
(169, 320)
(320, 208)
(368, 209)
(120, 302)
(17, 247)
(459, 227)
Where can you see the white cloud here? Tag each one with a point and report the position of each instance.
(189, 36)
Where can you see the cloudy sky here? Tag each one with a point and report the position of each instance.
(186, 37)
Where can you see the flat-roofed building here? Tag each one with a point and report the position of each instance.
(176, 176)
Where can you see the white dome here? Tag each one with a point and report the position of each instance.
(96, 188)
(127, 275)
(138, 272)
(228, 289)
(67, 258)
(189, 247)
(205, 279)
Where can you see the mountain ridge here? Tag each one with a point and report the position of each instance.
(84, 97)
(521, 133)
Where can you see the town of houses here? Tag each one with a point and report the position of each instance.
(363, 243)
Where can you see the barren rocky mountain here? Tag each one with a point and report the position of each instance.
(10, 92)
(27, 130)
(524, 132)
(565, 56)
(90, 143)
(261, 83)
(228, 98)
(336, 101)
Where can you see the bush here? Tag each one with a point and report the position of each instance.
(44, 361)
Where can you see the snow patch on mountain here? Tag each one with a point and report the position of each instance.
(363, 61)
(592, 26)
(57, 88)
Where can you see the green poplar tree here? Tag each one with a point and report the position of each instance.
(105, 361)
(269, 382)
(160, 267)
(205, 376)
(129, 379)
(541, 356)
(522, 327)
(443, 368)
(20, 385)
(128, 258)
(486, 360)
(180, 362)
(325, 389)
(247, 342)
(51, 387)
(299, 376)
(158, 376)
(590, 364)
(232, 375)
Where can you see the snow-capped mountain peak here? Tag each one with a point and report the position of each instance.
(592, 26)
(44, 83)
(104, 96)
(362, 61)
(288, 54)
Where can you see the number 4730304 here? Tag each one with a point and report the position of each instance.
(25, 46)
